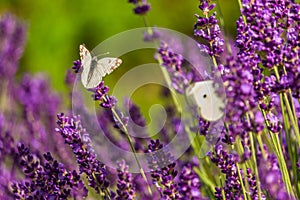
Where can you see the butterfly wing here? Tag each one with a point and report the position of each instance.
(204, 96)
(86, 62)
(108, 65)
(85, 56)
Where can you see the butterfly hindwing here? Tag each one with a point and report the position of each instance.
(108, 64)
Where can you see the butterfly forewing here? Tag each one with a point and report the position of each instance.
(85, 56)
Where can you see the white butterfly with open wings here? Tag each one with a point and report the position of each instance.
(95, 69)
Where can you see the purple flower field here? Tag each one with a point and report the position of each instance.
(48, 151)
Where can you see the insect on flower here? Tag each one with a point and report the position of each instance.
(203, 95)
(95, 69)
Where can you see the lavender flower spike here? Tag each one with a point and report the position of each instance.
(71, 130)
(125, 188)
(163, 175)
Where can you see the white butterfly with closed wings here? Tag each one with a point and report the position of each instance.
(95, 69)
(204, 96)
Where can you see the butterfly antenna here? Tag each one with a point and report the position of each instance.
(103, 54)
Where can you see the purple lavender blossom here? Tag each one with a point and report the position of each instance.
(76, 66)
(125, 187)
(227, 164)
(12, 41)
(49, 180)
(269, 34)
(207, 28)
(100, 94)
(71, 130)
(162, 173)
(189, 184)
(142, 7)
(173, 63)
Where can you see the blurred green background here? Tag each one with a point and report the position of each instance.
(57, 28)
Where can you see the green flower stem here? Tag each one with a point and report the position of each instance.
(206, 179)
(261, 146)
(290, 108)
(124, 128)
(241, 181)
(222, 180)
(255, 164)
(284, 166)
(210, 45)
(164, 71)
(281, 162)
(240, 150)
(285, 170)
(279, 155)
(292, 117)
(102, 193)
(241, 6)
(225, 30)
(292, 153)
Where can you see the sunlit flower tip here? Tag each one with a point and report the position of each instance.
(205, 6)
(76, 66)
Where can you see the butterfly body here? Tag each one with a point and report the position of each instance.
(95, 69)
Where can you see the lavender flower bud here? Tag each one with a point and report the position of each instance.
(142, 7)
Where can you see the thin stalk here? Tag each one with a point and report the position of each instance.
(210, 45)
(261, 146)
(240, 150)
(164, 71)
(241, 180)
(132, 147)
(290, 188)
(292, 154)
(241, 7)
(279, 155)
(105, 191)
(124, 128)
(292, 116)
(291, 109)
(255, 164)
(4, 97)
(223, 194)
(202, 176)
